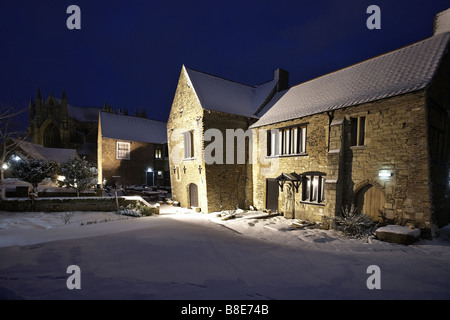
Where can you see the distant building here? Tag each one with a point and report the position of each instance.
(132, 151)
(54, 123)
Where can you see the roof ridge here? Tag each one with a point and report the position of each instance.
(222, 78)
(131, 116)
(371, 59)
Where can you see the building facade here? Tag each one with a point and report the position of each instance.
(205, 109)
(132, 151)
(375, 135)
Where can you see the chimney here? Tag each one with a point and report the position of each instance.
(442, 22)
(283, 79)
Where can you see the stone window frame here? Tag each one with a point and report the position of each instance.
(123, 154)
(316, 194)
(188, 143)
(287, 141)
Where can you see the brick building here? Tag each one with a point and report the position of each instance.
(132, 151)
(375, 134)
(203, 102)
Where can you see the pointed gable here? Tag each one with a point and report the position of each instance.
(228, 96)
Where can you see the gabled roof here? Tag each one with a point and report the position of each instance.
(401, 71)
(224, 95)
(121, 127)
(29, 150)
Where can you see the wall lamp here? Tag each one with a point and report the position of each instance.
(385, 174)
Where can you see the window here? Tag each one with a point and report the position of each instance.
(123, 151)
(188, 144)
(313, 188)
(158, 153)
(358, 127)
(286, 141)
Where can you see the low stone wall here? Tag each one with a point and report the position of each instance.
(68, 204)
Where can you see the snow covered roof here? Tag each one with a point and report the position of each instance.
(31, 150)
(130, 128)
(224, 95)
(401, 71)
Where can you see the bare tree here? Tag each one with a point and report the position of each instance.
(10, 136)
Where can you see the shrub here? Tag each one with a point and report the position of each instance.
(355, 224)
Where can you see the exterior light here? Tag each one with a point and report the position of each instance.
(385, 174)
(5, 166)
(149, 170)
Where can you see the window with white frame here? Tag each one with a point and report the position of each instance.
(286, 141)
(313, 188)
(188, 144)
(122, 150)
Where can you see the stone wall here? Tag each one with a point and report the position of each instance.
(438, 116)
(220, 186)
(186, 115)
(67, 204)
(395, 141)
(315, 159)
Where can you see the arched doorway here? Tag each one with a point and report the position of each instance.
(370, 199)
(52, 138)
(193, 195)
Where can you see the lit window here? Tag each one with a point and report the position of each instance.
(123, 151)
(286, 141)
(158, 153)
(313, 188)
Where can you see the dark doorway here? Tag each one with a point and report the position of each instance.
(193, 195)
(272, 191)
(150, 178)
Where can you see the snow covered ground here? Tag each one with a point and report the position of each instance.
(44, 227)
(257, 259)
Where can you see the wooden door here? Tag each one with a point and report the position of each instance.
(370, 200)
(272, 191)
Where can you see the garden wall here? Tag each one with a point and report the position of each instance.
(69, 204)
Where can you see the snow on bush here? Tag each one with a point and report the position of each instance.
(354, 224)
(35, 171)
(77, 174)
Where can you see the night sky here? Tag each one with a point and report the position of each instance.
(130, 53)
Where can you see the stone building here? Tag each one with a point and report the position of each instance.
(209, 108)
(132, 151)
(375, 134)
(54, 123)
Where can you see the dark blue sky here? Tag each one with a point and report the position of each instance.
(130, 53)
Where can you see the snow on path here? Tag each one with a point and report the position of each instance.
(45, 227)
